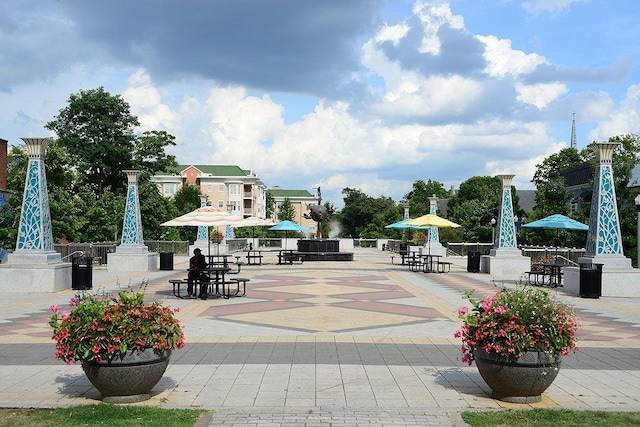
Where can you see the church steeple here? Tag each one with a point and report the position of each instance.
(574, 139)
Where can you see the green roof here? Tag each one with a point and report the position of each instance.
(278, 192)
(215, 170)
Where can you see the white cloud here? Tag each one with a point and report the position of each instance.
(145, 101)
(434, 14)
(622, 120)
(540, 94)
(503, 60)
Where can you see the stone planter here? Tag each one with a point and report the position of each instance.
(129, 378)
(520, 380)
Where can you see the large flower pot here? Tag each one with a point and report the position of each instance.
(129, 378)
(520, 380)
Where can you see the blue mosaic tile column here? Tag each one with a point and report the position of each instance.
(506, 237)
(203, 230)
(604, 236)
(34, 232)
(434, 236)
(132, 225)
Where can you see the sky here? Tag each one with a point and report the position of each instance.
(365, 94)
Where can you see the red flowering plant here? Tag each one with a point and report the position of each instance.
(98, 328)
(514, 321)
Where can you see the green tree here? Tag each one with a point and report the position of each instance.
(97, 130)
(551, 193)
(270, 205)
(186, 199)
(154, 210)
(365, 217)
(476, 203)
(286, 210)
(149, 152)
(418, 197)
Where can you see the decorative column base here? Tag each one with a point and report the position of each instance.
(435, 248)
(34, 277)
(506, 263)
(613, 261)
(616, 282)
(22, 257)
(131, 258)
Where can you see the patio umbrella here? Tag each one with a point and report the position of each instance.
(207, 216)
(403, 225)
(286, 226)
(253, 222)
(557, 222)
(431, 220)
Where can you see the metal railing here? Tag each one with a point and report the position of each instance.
(100, 251)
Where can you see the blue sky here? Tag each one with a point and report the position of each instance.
(367, 94)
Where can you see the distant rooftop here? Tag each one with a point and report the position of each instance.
(214, 170)
(279, 192)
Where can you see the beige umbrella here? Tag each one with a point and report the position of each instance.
(253, 222)
(207, 216)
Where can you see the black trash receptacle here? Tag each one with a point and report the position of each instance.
(166, 260)
(473, 262)
(590, 280)
(404, 249)
(81, 272)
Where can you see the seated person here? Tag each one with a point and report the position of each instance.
(197, 265)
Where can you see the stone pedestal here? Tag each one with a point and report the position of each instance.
(506, 263)
(132, 258)
(616, 281)
(33, 278)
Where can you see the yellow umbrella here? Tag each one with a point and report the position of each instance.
(431, 220)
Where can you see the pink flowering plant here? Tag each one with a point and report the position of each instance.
(98, 328)
(514, 321)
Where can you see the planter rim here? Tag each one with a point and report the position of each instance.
(530, 357)
(118, 359)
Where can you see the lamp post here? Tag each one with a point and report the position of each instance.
(493, 231)
(405, 204)
(638, 233)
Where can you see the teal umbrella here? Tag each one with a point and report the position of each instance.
(287, 225)
(557, 222)
(403, 225)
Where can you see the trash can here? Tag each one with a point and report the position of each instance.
(473, 262)
(166, 260)
(404, 249)
(81, 272)
(590, 280)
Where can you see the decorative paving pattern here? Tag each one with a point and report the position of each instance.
(334, 303)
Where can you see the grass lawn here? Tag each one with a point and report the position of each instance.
(99, 415)
(550, 417)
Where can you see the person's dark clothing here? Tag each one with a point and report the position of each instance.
(197, 263)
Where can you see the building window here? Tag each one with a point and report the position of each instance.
(169, 189)
(209, 188)
(234, 189)
(220, 188)
(221, 204)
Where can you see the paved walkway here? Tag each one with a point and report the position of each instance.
(341, 343)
